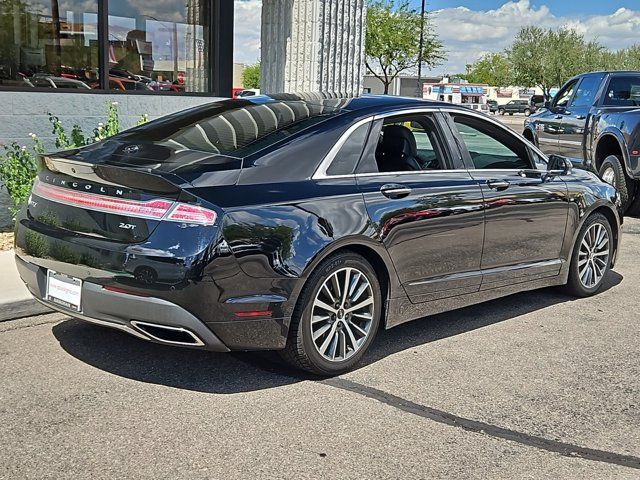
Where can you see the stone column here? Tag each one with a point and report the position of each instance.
(312, 46)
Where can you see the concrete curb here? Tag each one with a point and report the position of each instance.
(22, 309)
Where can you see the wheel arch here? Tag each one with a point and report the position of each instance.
(610, 142)
(375, 254)
(614, 220)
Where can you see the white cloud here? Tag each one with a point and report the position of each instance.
(246, 48)
(468, 34)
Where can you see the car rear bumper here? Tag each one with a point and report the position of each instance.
(148, 318)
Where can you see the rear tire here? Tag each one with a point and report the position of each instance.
(527, 112)
(612, 172)
(337, 338)
(591, 259)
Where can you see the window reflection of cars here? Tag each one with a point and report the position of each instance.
(48, 81)
(123, 84)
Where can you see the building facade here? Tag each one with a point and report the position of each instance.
(403, 85)
(73, 58)
(313, 45)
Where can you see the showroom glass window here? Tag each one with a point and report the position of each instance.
(49, 44)
(159, 46)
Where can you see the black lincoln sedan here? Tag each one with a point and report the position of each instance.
(304, 223)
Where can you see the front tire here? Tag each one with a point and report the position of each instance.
(612, 172)
(591, 259)
(527, 112)
(336, 317)
(501, 111)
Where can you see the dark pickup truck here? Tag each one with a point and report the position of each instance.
(595, 117)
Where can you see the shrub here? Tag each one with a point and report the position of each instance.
(18, 168)
(19, 165)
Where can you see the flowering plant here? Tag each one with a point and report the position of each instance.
(19, 165)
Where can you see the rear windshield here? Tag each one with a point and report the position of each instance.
(236, 127)
(623, 92)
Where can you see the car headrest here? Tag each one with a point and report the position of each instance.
(398, 140)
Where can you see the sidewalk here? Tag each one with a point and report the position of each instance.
(15, 299)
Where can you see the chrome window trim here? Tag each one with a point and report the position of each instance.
(321, 171)
(394, 174)
(409, 111)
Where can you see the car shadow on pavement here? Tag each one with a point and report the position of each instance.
(126, 356)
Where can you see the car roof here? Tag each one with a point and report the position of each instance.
(353, 103)
(608, 72)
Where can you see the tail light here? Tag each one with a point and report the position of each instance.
(156, 209)
(185, 213)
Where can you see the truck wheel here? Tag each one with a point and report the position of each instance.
(612, 172)
(527, 112)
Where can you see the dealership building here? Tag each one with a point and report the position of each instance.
(72, 57)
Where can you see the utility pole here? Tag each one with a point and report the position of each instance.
(420, 49)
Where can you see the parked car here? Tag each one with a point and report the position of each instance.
(595, 118)
(493, 106)
(304, 224)
(247, 93)
(517, 106)
(50, 81)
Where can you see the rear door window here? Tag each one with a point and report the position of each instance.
(623, 92)
(410, 143)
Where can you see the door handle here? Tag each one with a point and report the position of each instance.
(498, 185)
(392, 190)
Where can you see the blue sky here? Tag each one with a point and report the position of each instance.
(471, 28)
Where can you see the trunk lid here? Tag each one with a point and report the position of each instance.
(112, 199)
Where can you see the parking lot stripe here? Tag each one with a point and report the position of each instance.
(565, 449)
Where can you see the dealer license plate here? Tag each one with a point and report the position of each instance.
(64, 290)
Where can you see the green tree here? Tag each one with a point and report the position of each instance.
(392, 40)
(251, 76)
(548, 58)
(493, 69)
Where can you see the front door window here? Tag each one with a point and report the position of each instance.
(491, 147)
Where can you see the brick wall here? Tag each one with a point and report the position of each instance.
(22, 113)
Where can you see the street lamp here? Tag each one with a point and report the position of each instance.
(421, 48)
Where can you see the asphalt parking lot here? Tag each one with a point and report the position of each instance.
(536, 385)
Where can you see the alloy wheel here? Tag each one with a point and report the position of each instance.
(342, 314)
(593, 256)
(609, 176)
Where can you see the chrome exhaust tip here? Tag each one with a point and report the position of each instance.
(168, 335)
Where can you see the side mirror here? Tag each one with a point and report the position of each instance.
(559, 165)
